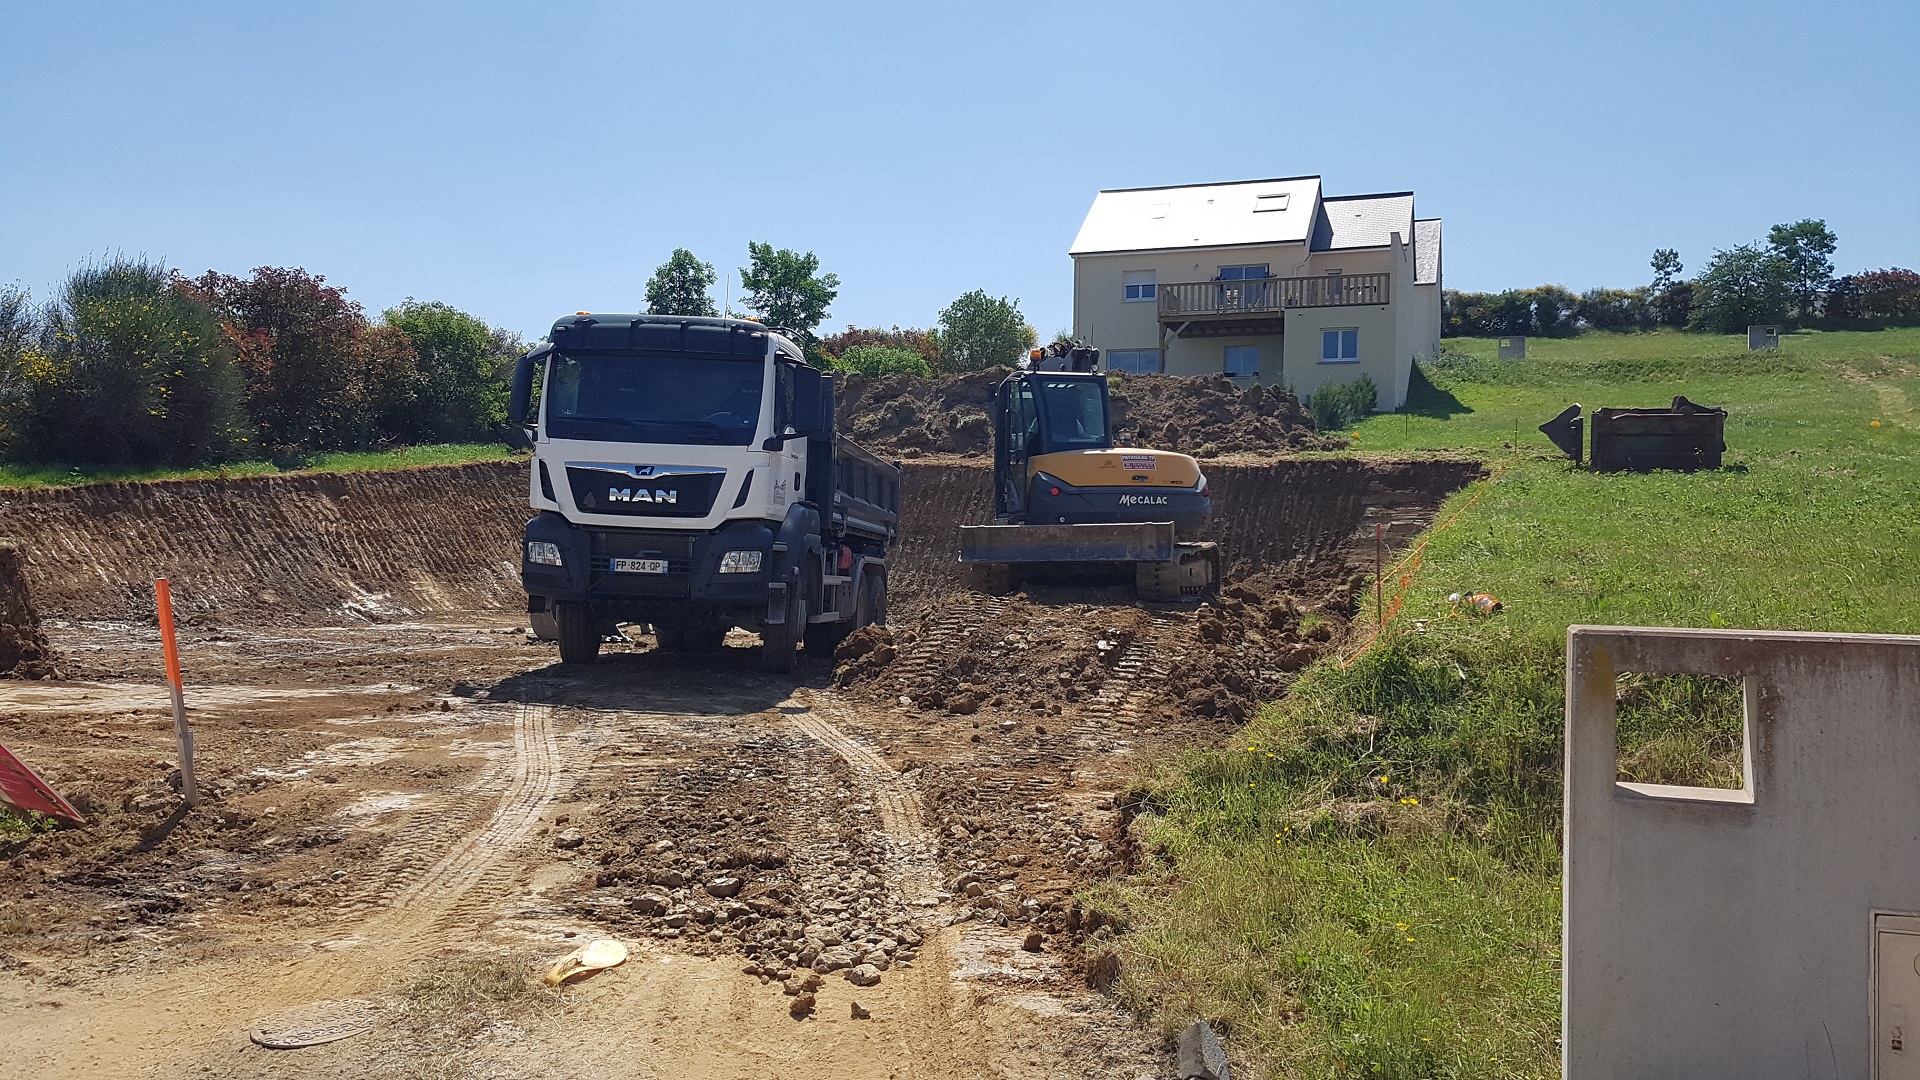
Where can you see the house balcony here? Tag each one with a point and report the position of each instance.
(1259, 305)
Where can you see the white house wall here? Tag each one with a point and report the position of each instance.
(1106, 320)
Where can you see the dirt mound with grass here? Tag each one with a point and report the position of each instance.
(1209, 415)
(947, 414)
(23, 648)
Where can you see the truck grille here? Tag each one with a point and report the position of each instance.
(664, 491)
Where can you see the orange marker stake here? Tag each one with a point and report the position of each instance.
(163, 604)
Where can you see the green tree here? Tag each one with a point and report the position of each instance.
(133, 369)
(881, 360)
(680, 286)
(978, 332)
(1666, 268)
(296, 340)
(1740, 286)
(18, 329)
(1806, 247)
(461, 364)
(787, 289)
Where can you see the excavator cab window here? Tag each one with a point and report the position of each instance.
(1074, 414)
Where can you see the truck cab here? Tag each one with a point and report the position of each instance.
(686, 474)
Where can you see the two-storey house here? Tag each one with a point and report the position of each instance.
(1265, 281)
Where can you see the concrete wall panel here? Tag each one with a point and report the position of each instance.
(1729, 933)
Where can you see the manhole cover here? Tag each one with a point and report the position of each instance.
(321, 1022)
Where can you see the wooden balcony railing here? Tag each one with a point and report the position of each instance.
(1268, 296)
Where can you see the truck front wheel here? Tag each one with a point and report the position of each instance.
(579, 636)
(778, 642)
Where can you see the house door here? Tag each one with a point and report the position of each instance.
(1244, 288)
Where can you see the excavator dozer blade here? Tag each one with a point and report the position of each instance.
(1142, 541)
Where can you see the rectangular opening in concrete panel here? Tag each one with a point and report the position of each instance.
(1678, 736)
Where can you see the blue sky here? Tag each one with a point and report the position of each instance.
(523, 161)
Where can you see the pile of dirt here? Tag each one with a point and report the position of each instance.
(23, 648)
(1036, 657)
(947, 414)
(1209, 415)
(910, 415)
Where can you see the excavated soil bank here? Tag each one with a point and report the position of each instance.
(1283, 513)
(23, 648)
(1204, 415)
(306, 547)
(381, 546)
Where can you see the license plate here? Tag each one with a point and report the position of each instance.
(639, 566)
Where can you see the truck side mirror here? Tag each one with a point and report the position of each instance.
(520, 395)
(812, 402)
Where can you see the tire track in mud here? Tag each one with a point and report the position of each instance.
(475, 871)
(1123, 698)
(958, 619)
(895, 797)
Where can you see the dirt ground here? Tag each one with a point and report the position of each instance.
(409, 807)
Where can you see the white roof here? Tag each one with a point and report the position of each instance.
(1363, 221)
(1426, 251)
(1200, 215)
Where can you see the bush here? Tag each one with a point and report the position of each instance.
(881, 360)
(1616, 309)
(1340, 405)
(1545, 311)
(318, 376)
(1876, 296)
(924, 342)
(131, 368)
(459, 391)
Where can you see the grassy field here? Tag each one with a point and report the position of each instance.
(1366, 882)
(19, 475)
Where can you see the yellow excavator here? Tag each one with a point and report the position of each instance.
(1066, 499)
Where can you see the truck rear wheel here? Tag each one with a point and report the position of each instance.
(778, 642)
(873, 599)
(579, 635)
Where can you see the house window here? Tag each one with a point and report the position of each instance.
(1243, 273)
(1243, 361)
(1134, 361)
(1340, 346)
(1138, 284)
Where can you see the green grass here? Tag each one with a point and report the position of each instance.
(25, 475)
(1421, 784)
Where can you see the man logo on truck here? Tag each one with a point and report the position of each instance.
(641, 495)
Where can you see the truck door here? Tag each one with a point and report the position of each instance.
(1017, 428)
(790, 464)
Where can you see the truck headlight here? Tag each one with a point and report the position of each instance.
(544, 552)
(741, 562)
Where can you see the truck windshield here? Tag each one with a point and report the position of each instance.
(1076, 414)
(655, 399)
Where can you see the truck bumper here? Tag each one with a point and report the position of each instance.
(691, 592)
